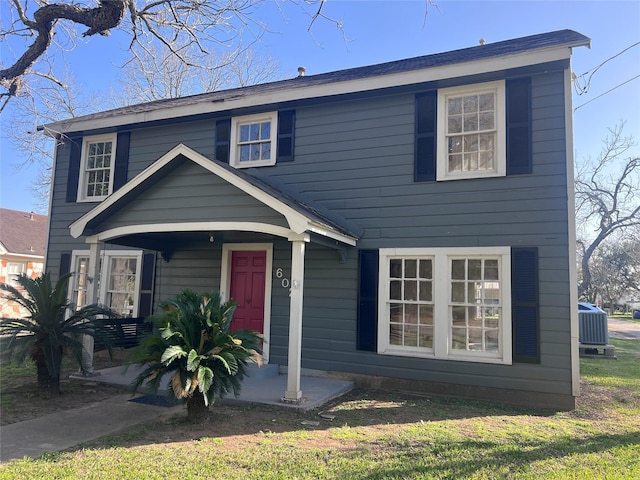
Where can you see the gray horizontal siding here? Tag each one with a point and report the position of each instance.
(356, 159)
(192, 194)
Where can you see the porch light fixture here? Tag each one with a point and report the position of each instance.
(211, 238)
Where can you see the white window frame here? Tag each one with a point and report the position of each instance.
(104, 269)
(84, 173)
(236, 122)
(12, 276)
(500, 158)
(442, 326)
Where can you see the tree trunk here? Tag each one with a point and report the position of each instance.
(46, 380)
(197, 411)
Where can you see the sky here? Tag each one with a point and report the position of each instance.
(385, 30)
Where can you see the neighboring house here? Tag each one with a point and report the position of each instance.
(408, 224)
(23, 236)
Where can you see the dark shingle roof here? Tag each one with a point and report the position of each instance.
(567, 38)
(23, 233)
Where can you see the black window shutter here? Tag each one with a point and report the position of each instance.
(518, 105)
(426, 129)
(223, 140)
(121, 168)
(286, 135)
(367, 329)
(525, 315)
(65, 263)
(145, 304)
(75, 147)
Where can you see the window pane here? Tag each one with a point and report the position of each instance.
(265, 130)
(245, 150)
(491, 270)
(395, 290)
(491, 341)
(486, 121)
(470, 123)
(455, 163)
(244, 133)
(410, 290)
(425, 339)
(410, 336)
(426, 269)
(470, 104)
(426, 314)
(455, 144)
(455, 106)
(486, 142)
(395, 268)
(459, 316)
(266, 151)
(471, 143)
(396, 312)
(470, 162)
(254, 132)
(255, 151)
(486, 102)
(411, 314)
(457, 292)
(458, 269)
(410, 268)
(454, 124)
(473, 292)
(475, 339)
(474, 317)
(474, 269)
(459, 338)
(426, 291)
(395, 334)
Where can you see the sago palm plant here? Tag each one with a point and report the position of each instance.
(51, 328)
(193, 344)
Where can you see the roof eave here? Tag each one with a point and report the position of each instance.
(404, 78)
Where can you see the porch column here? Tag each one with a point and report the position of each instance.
(93, 275)
(293, 393)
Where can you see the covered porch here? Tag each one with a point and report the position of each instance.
(185, 206)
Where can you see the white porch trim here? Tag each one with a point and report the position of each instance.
(91, 296)
(293, 394)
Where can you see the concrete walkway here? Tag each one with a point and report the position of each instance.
(69, 428)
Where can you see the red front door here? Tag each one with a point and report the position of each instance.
(248, 270)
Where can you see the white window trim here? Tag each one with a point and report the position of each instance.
(105, 265)
(82, 179)
(498, 87)
(441, 295)
(234, 159)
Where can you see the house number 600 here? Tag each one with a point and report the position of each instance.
(285, 281)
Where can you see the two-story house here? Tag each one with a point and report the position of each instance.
(408, 224)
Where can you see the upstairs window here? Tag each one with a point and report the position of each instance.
(471, 131)
(253, 140)
(96, 168)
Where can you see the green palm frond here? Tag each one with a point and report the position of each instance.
(194, 345)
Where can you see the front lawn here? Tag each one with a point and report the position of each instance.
(382, 435)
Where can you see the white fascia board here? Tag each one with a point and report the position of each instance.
(3, 249)
(456, 70)
(298, 222)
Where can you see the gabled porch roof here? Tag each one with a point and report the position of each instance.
(277, 212)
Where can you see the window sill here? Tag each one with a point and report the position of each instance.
(451, 357)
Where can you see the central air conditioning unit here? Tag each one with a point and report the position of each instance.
(594, 325)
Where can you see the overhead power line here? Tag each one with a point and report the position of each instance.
(580, 90)
(608, 91)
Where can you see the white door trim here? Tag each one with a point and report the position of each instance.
(225, 283)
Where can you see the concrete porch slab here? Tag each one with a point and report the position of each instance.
(263, 385)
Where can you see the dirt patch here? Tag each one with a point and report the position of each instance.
(24, 400)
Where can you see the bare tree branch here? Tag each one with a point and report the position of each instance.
(607, 196)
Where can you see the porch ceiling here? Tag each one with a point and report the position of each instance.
(160, 206)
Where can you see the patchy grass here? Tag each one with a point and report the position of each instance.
(381, 435)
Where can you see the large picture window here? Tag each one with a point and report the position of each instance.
(96, 168)
(446, 303)
(471, 131)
